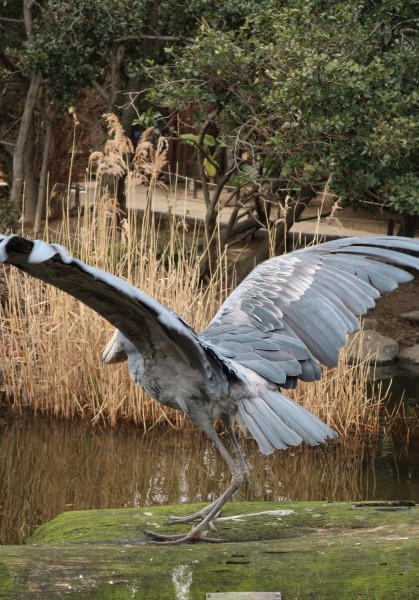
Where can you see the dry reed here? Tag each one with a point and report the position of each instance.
(51, 343)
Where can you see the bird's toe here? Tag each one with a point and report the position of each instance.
(174, 540)
(197, 516)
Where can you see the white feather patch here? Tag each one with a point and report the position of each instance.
(41, 252)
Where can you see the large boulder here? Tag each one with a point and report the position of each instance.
(369, 343)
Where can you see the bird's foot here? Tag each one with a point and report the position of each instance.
(182, 538)
(197, 516)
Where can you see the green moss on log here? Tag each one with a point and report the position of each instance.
(307, 550)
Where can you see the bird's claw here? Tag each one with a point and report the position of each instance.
(198, 516)
(182, 538)
(188, 519)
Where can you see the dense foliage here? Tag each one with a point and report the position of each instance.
(74, 40)
(314, 91)
(301, 92)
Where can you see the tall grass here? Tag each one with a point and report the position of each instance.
(51, 343)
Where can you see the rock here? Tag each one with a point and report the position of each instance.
(381, 349)
(409, 355)
(370, 323)
(383, 372)
(412, 316)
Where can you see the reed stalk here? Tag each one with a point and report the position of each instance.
(51, 343)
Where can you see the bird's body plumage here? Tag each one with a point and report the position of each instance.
(290, 314)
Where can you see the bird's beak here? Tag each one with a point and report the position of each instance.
(113, 352)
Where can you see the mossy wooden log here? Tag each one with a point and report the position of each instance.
(306, 550)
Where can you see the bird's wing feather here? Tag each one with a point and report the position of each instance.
(147, 324)
(294, 309)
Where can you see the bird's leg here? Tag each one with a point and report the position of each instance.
(196, 533)
(202, 514)
(239, 473)
(229, 423)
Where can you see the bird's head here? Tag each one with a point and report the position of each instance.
(117, 349)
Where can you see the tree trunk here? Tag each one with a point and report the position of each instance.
(128, 114)
(410, 226)
(116, 63)
(21, 155)
(31, 181)
(43, 176)
(306, 550)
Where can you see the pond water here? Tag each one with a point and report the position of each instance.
(47, 467)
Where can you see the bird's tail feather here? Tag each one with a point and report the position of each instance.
(276, 421)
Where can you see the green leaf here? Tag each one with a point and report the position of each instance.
(189, 138)
(209, 140)
(210, 167)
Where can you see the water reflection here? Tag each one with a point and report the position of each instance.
(404, 383)
(48, 467)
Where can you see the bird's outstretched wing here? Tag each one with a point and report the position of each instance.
(151, 327)
(294, 309)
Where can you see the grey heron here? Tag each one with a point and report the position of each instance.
(290, 314)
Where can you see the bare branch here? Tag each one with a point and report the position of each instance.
(8, 63)
(157, 38)
(8, 146)
(101, 90)
(11, 20)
